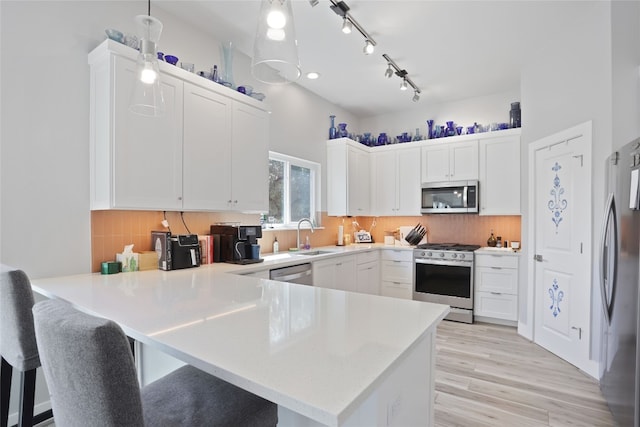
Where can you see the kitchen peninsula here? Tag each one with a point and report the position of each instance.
(326, 357)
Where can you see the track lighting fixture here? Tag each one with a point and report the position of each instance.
(403, 74)
(348, 23)
(346, 26)
(314, 3)
(389, 73)
(368, 48)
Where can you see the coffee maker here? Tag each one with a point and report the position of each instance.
(236, 244)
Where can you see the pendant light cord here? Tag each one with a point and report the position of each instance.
(149, 7)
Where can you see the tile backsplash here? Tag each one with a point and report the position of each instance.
(112, 230)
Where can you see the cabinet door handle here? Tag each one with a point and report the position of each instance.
(338, 264)
(496, 293)
(497, 268)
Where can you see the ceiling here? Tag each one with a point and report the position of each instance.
(452, 50)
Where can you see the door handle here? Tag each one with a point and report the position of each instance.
(610, 213)
(579, 331)
(538, 258)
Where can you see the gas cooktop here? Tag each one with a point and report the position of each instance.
(448, 247)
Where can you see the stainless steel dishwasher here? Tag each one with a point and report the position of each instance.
(299, 273)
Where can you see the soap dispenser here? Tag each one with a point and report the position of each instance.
(275, 245)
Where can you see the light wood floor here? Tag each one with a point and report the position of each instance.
(488, 375)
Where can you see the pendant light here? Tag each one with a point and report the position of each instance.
(275, 49)
(147, 98)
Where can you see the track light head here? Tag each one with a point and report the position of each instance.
(403, 85)
(314, 3)
(346, 26)
(416, 96)
(368, 47)
(389, 73)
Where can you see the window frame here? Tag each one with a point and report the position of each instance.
(315, 180)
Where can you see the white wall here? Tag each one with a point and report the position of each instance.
(566, 81)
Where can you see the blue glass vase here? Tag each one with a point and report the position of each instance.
(332, 130)
(430, 129)
(342, 130)
(382, 139)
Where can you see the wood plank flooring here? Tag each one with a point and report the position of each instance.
(488, 375)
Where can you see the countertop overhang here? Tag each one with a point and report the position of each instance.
(318, 352)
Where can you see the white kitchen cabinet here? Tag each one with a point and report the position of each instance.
(396, 273)
(348, 178)
(368, 273)
(336, 273)
(207, 149)
(136, 161)
(194, 157)
(449, 161)
(499, 175)
(496, 287)
(250, 159)
(396, 180)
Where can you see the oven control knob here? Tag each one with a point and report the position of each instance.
(454, 255)
(461, 256)
(428, 253)
(441, 254)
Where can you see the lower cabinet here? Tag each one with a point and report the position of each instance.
(496, 287)
(368, 273)
(397, 273)
(336, 273)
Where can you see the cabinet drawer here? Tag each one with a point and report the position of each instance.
(490, 260)
(364, 257)
(399, 271)
(397, 255)
(498, 306)
(396, 289)
(496, 279)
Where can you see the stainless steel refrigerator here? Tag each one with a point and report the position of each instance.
(619, 274)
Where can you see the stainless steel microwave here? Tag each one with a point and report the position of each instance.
(450, 197)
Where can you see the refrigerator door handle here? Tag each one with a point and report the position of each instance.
(610, 215)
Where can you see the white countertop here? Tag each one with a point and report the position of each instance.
(315, 351)
(497, 251)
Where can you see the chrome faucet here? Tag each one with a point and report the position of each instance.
(300, 222)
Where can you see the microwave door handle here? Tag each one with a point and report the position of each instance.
(465, 196)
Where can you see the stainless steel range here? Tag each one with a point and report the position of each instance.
(443, 273)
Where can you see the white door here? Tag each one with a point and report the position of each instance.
(562, 221)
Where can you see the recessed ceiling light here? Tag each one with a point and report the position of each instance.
(313, 75)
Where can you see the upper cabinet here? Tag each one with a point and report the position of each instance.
(348, 178)
(500, 175)
(449, 161)
(396, 180)
(195, 157)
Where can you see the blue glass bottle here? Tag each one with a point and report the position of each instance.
(332, 129)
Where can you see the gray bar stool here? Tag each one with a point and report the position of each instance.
(92, 380)
(18, 346)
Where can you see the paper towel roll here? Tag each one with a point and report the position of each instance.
(340, 235)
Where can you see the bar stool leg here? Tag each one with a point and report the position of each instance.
(6, 370)
(27, 397)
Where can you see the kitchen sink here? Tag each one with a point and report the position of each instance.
(314, 253)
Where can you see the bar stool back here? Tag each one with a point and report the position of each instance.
(91, 376)
(18, 346)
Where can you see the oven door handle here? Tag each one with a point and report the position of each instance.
(443, 262)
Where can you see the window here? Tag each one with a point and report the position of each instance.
(293, 189)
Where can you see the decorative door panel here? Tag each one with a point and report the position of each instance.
(562, 247)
